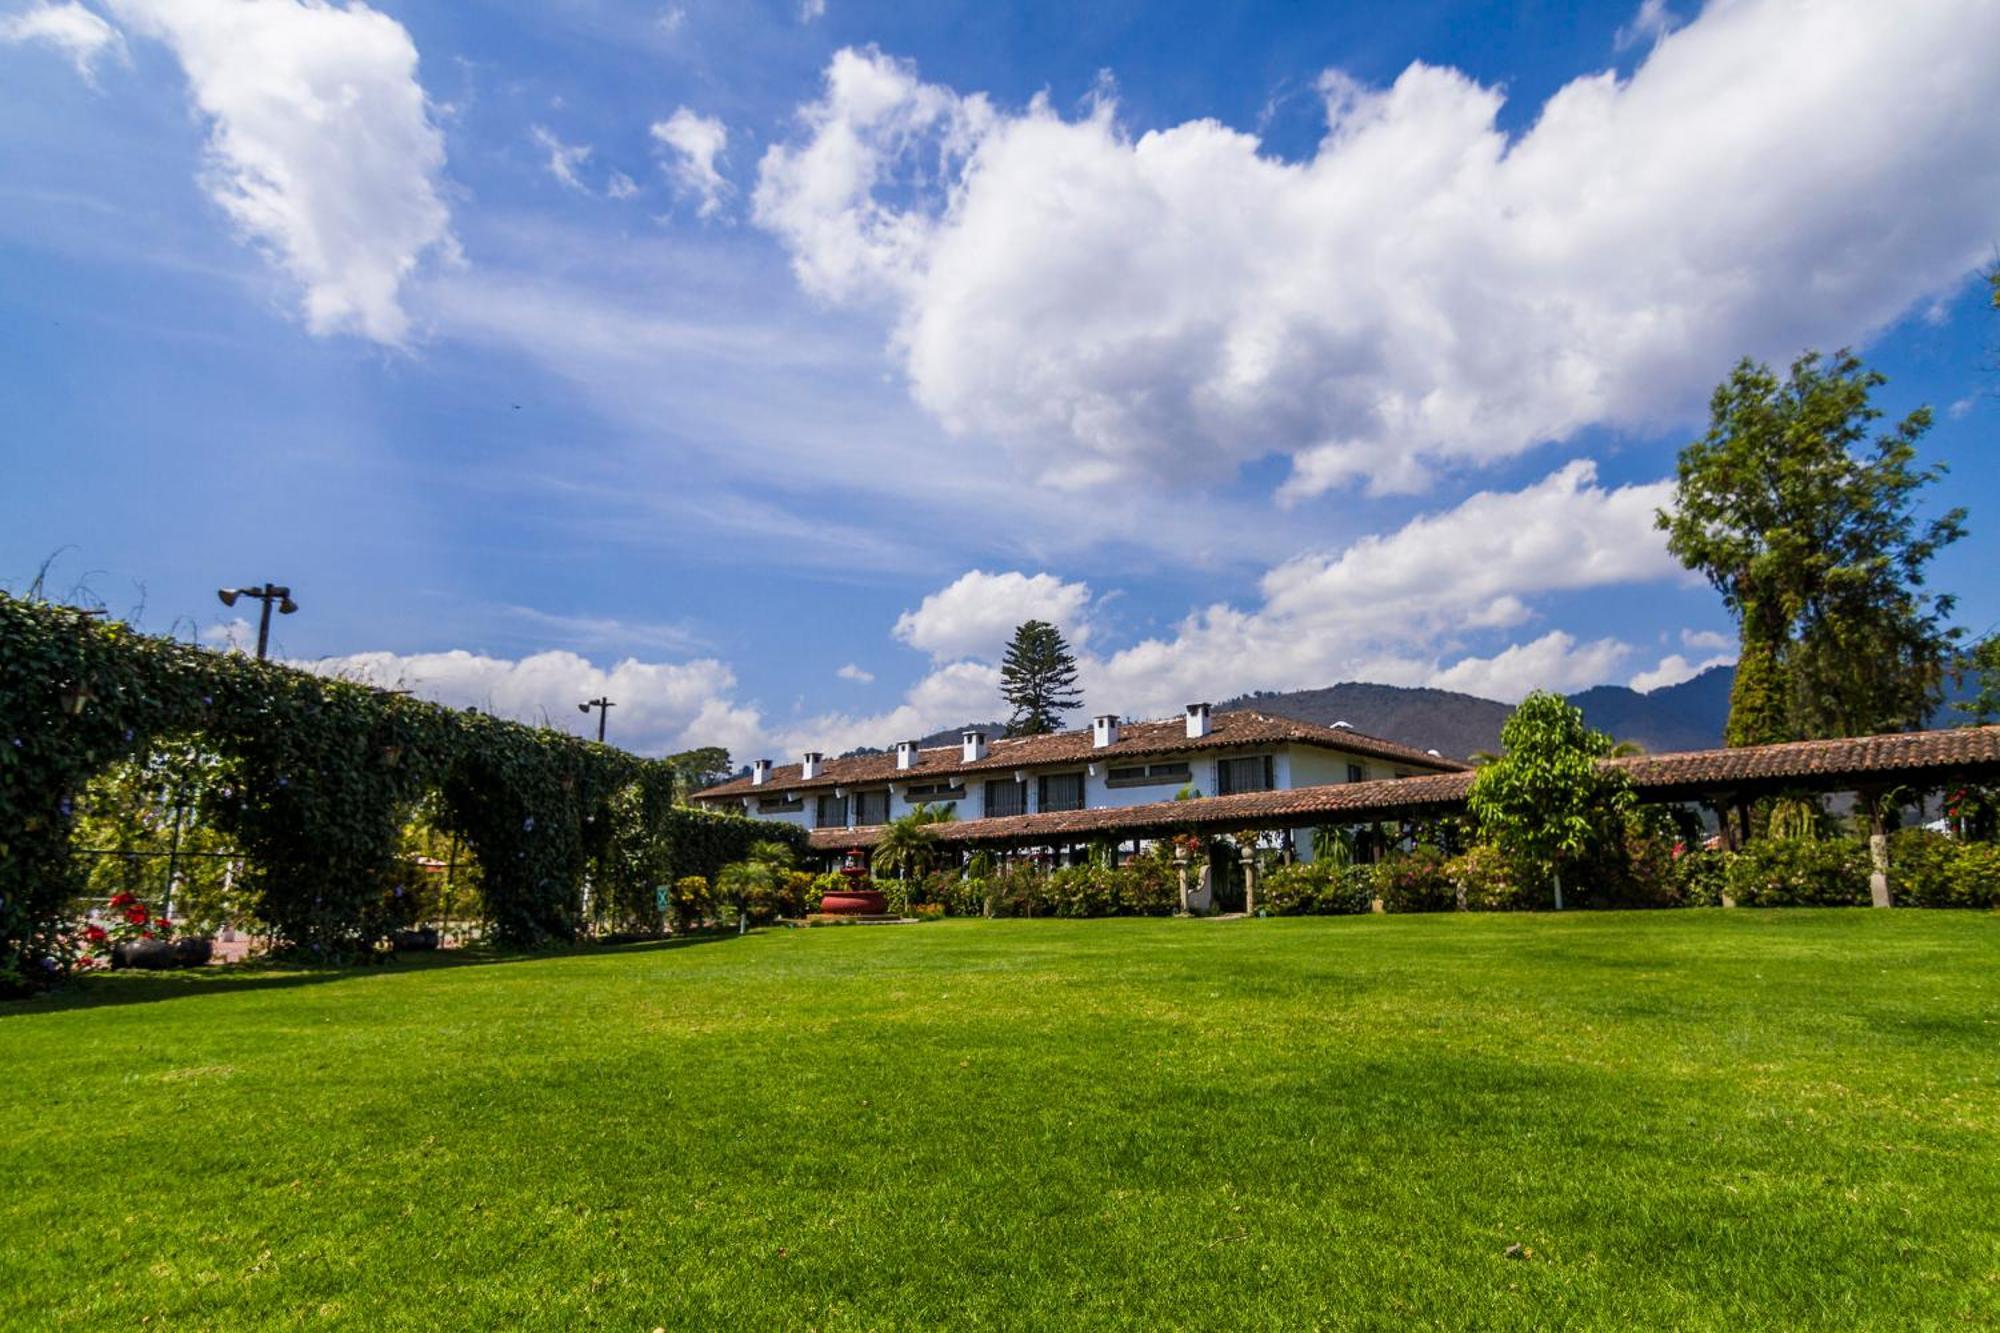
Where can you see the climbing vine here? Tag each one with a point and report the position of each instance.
(325, 774)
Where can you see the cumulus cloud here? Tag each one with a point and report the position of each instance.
(68, 27)
(1556, 661)
(661, 707)
(1653, 21)
(1423, 289)
(1677, 667)
(695, 142)
(321, 145)
(854, 672)
(978, 612)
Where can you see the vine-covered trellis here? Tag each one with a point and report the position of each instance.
(327, 772)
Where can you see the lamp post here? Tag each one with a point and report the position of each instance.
(603, 707)
(267, 594)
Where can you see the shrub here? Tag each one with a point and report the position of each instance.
(1928, 869)
(1791, 872)
(1701, 877)
(1317, 888)
(691, 901)
(1487, 879)
(1415, 881)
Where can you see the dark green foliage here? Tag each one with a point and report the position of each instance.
(1317, 888)
(324, 776)
(1808, 530)
(695, 769)
(1981, 666)
(1038, 678)
(1702, 877)
(1927, 869)
(1415, 881)
(1797, 872)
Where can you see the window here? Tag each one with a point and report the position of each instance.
(1149, 775)
(831, 812)
(1006, 797)
(781, 805)
(937, 791)
(1240, 775)
(871, 807)
(1061, 791)
(1356, 773)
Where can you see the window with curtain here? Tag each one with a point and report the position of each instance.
(1062, 791)
(1007, 797)
(871, 807)
(830, 812)
(1241, 775)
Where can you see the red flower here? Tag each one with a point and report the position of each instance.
(95, 934)
(137, 914)
(123, 899)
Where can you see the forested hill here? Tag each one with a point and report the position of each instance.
(1688, 716)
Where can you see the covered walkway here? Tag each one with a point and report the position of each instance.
(1724, 780)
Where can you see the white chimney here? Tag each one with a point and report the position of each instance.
(906, 755)
(760, 772)
(811, 768)
(975, 746)
(1198, 721)
(1343, 725)
(1104, 730)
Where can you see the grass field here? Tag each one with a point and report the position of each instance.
(1688, 1120)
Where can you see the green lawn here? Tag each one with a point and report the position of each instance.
(1689, 1120)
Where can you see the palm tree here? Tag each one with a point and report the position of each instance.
(907, 847)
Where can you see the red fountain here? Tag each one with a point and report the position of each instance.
(857, 898)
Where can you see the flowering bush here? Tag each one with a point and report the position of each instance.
(1415, 881)
(1798, 872)
(1317, 888)
(1928, 869)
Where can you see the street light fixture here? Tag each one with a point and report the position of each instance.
(267, 594)
(603, 707)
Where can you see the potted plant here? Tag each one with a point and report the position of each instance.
(138, 938)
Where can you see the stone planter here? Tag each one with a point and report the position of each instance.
(160, 955)
(414, 941)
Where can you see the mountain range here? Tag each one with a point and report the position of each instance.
(1687, 716)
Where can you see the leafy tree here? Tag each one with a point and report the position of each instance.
(1545, 798)
(1982, 664)
(1807, 530)
(907, 847)
(695, 769)
(1038, 677)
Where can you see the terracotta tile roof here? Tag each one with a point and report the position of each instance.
(1136, 740)
(1833, 765)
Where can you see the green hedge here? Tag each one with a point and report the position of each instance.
(327, 772)
(1317, 888)
(1799, 872)
(1928, 869)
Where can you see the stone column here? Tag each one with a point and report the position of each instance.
(1181, 869)
(1878, 847)
(1249, 881)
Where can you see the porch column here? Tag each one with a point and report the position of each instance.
(1873, 801)
(1249, 882)
(1181, 869)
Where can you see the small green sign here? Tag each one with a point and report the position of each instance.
(660, 897)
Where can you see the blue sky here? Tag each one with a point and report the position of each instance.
(761, 364)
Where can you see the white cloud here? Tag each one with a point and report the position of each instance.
(811, 10)
(70, 29)
(949, 696)
(978, 612)
(671, 19)
(1421, 290)
(1674, 668)
(321, 145)
(621, 186)
(852, 671)
(564, 159)
(1653, 21)
(696, 142)
(1707, 639)
(1556, 661)
(660, 707)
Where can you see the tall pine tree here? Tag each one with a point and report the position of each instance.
(1038, 678)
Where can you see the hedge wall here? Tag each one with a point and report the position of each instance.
(329, 772)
